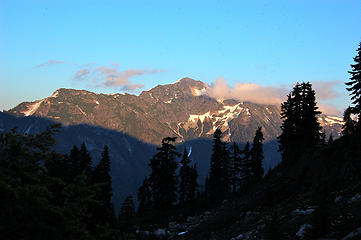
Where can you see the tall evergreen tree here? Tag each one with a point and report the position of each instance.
(257, 155)
(80, 160)
(188, 180)
(103, 210)
(85, 160)
(74, 162)
(127, 209)
(144, 197)
(354, 85)
(349, 124)
(219, 187)
(310, 127)
(236, 167)
(246, 164)
(163, 179)
(300, 126)
(79, 198)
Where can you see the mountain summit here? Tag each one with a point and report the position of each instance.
(180, 109)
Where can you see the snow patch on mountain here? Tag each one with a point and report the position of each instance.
(194, 118)
(32, 108)
(81, 110)
(55, 94)
(334, 119)
(220, 118)
(330, 120)
(169, 101)
(198, 92)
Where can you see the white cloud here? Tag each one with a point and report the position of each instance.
(111, 77)
(256, 93)
(251, 92)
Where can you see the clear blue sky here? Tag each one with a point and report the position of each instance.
(272, 43)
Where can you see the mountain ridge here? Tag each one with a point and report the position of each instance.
(179, 109)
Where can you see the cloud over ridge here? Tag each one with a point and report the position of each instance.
(250, 92)
(255, 93)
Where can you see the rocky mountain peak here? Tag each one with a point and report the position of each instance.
(180, 109)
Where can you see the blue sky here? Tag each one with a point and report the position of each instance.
(43, 44)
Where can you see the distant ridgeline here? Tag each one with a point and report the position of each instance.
(180, 109)
(132, 126)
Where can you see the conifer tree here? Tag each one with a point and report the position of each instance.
(349, 124)
(163, 179)
(127, 209)
(257, 155)
(236, 167)
(103, 210)
(310, 127)
(219, 170)
(300, 126)
(354, 85)
(74, 162)
(85, 160)
(287, 140)
(144, 197)
(78, 199)
(80, 160)
(246, 164)
(188, 180)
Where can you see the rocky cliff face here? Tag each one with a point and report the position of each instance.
(180, 109)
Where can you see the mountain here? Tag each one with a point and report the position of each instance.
(132, 126)
(180, 109)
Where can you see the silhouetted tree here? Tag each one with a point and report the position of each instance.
(246, 164)
(27, 204)
(144, 197)
(349, 124)
(103, 210)
(126, 215)
(257, 155)
(300, 127)
(78, 200)
(219, 170)
(163, 179)
(354, 85)
(188, 180)
(85, 160)
(236, 167)
(127, 209)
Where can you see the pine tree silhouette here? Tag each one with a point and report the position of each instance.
(163, 179)
(236, 167)
(349, 124)
(144, 197)
(103, 210)
(246, 164)
(354, 86)
(219, 187)
(188, 180)
(257, 155)
(300, 126)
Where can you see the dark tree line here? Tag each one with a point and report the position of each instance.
(231, 170)
(163, 188)
(47, 195)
